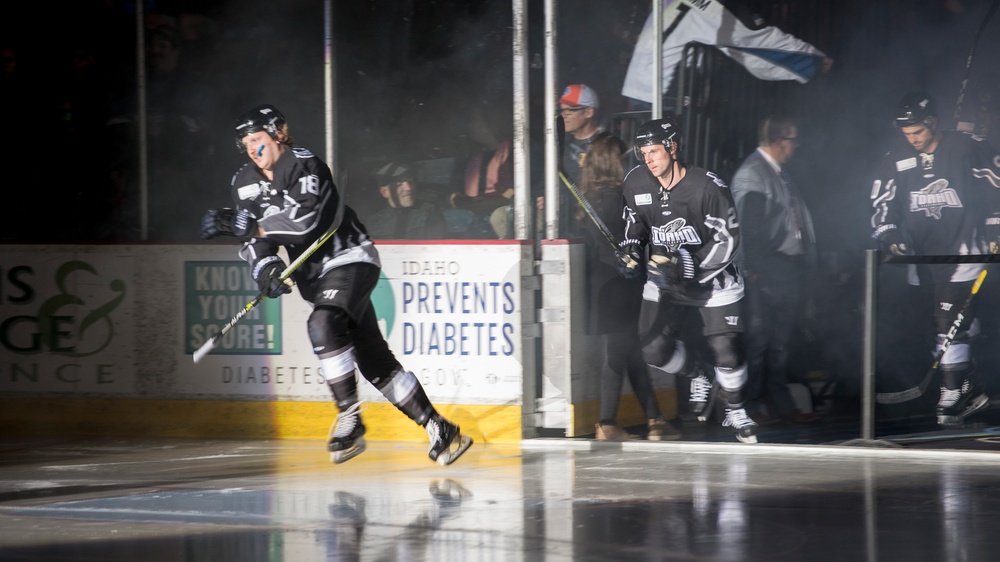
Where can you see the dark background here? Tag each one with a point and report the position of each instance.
(431, 80)
(416, 80)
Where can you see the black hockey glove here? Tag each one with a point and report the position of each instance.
(630, 259)
(991, 232)
(891, 240)
(228, 222)
(668, 270)
(269, 280)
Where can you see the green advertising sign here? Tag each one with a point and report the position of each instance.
(384, 302)
(214, 291)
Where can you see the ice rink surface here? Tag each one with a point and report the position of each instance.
(118, 499)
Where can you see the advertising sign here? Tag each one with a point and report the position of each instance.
(125, 320)
(216, 291)
(452, 316)
(450, 313)
(65, 322)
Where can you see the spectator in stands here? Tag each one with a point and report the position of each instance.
(578, 107)
(404, 217)
(489, 187)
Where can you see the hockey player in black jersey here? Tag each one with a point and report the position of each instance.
(936, 194)
(681, 231)
(285, 196)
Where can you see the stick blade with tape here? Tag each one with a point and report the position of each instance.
(204, 350)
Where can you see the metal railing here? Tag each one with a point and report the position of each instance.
(874, 259)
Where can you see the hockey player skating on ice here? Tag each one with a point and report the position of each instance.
(685, 219)
(285, 196)
(936, 193)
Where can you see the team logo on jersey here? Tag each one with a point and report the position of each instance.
(732, 320)
(674, 234)
(931, 199)
(643, 199)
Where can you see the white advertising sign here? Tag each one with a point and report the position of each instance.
(455, 318)
(65, 322)
(124, 320)
(450, 313)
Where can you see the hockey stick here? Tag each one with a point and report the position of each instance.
(968, 61)
(918, 391)
(580, 198)
(212, 343)
(589, 210)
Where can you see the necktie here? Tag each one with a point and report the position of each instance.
(793, 206)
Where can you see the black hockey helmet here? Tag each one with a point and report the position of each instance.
(916, 108)
(664, 131)
(261, 118)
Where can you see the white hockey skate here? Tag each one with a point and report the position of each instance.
(347, 435)
(447, 441)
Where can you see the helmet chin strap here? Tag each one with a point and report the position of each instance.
(664, 190)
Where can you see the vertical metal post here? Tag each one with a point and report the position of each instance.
(872, 258)
(551, 97)
(657, 59)
(683, 76)
(867, 439)
(329, 86)
(522, 159)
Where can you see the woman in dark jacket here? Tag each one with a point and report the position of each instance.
(614, 300)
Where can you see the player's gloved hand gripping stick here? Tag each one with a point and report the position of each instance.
(211, 344)
(630, 254)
